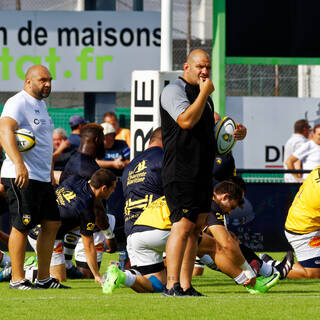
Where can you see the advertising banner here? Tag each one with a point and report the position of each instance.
(270, 122)
(90, 51)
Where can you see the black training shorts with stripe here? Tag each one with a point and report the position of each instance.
(30, 205)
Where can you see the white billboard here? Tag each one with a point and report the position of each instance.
(270, 123)
(145, 105)
(91, 51)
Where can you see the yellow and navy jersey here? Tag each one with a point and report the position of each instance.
(304, 213)
(155, 215)
(142, 184)
(215, 216)
(75, 201)
(80, 164)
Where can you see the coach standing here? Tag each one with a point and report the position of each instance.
(187, 121)
(27, 178)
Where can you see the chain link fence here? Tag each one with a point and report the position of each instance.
(241, 80)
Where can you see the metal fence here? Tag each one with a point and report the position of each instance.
(241, 80)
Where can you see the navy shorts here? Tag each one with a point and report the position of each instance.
(188, 200)
(30, 205)
(311, 263)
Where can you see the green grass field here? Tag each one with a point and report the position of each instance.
(290, 299)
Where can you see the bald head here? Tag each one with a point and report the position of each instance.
(35, 70)
(197, 66)
(195, 54)
(156, 138)
(38, 82)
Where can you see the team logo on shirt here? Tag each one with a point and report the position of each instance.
(185, 210)
(26, 218)
(36, 111)
(36, 121)
(90, 226)
(141, 166)
(64, 195)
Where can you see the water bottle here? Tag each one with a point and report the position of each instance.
(123, 258)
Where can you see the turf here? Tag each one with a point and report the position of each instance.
(290, 299)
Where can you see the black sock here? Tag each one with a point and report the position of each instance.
(249, 254)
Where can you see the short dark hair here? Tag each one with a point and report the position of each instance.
(110, 114)
(239, 181)
(102, 177)
(156, 135)
(233, 189)
(91, 129)
(300, 125)
(316, 127)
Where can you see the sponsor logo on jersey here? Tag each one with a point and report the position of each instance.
(26, 218)
(136, 175)
(314, 242)
(90, 226)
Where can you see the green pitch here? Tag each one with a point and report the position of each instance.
(290, 299)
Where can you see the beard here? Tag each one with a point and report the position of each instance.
(45, 93)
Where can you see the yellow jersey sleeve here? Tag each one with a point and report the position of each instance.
(304, 213)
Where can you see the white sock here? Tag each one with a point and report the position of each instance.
(6, 261)
(266, 269)
(43, 281)
(241, 278)
(130, 279)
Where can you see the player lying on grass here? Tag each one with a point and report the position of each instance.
(228, 258)
(302, 229)
(228, 241)
(76, 198)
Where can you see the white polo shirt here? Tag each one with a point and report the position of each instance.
(294, 142)
(309, 155)
(31, 114)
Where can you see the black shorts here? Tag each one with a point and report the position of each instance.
(84, 265)
(30, 205)
(188, 200)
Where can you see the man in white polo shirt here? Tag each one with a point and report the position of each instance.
(308, 154)
(300, 136)
(27, 178)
